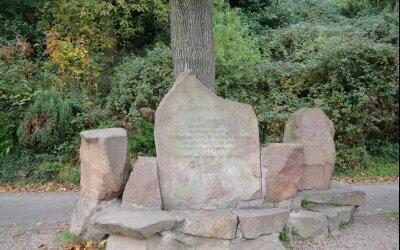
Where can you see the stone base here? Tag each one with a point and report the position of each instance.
(254, 228)
(175, 241)
(84, 209)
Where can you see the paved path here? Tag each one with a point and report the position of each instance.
(380, 198)
(25, 208)
(21, 208)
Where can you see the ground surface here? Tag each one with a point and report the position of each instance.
(33, 221)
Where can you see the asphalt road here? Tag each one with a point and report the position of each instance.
(24, 208)
(380, 198)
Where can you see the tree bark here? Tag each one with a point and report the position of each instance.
(192, 39)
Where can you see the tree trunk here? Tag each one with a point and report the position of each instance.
(192, 39)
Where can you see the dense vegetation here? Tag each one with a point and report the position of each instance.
(68, 66)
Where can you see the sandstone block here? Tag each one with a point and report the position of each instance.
(338, 194)
(254, 223)
(208, 149)
(104, 165)
(270, 241)
(142, 189)
(313, 129)
(310, 225)
(282, 168)
(133, 223)
(186, 242)
(211, 224)
(336, 215)
(84, 209)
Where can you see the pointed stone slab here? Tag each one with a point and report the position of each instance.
(210, 224)
(256, 222)
(142, 190)
(313, 129)
(133, 223)
(208, 150)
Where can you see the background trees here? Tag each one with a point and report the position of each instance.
(58, 77)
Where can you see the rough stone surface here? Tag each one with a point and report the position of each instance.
(133, 223)
(310, 225)
(336, 215)
(282, 168)
(267, 242)
(173, 240)
(84, 209)
(120, 242)
(313, 129)
(142, 189)
(208, 149)
(338, 194)
(254, 223)
(104, 165)
(211, 224)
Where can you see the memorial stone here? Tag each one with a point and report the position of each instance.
(208, 150)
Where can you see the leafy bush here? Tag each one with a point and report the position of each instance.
(141, 82)
(46, 122)
(237, 53)
(142, 142)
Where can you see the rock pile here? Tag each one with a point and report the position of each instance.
(211, 186)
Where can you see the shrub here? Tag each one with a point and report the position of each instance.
(142, 142)
(237, 54)
(46, 122)
(140, 82)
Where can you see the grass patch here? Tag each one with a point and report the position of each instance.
(67, 237)
(305, 203)
(343, 226)
(393, 214)
(286, 238)
(375, 170)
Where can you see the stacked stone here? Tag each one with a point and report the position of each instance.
(209, 188)
(104, 171)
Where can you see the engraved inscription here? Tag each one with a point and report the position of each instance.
(201, 137)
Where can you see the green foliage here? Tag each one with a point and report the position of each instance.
(236, 54)
(46, 122)
(141, 82)
(67, 66)
(142, 142)
(305, 203)
(286, 238)
(67, 237)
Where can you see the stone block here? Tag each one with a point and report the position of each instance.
(281, 168)
(254, 223)
(142, 190)
(338, 194)
(186, 242)
(208, 149)
(210, 224)
(267, 242)
(104, 164)
(313, 129)
(336, 215)
(310, 224)
(84, 209)
(133, 223)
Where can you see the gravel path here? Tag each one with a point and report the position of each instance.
(368, 232)
(31, 236)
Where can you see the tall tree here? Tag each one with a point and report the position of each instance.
(192, 39)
